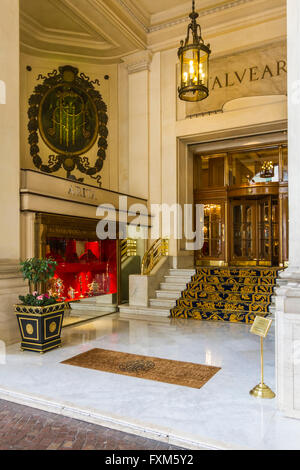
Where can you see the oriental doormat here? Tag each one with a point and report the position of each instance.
(144, 367)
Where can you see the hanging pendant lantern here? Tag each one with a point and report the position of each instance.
(267, 170)
(194, 63)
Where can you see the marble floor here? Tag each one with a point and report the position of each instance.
(221, 415)
(72, 317)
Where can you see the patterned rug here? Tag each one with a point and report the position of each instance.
(227, 294)
(144, 367)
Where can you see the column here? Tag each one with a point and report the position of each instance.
(11, 284)
(138, 66)
(288, 295)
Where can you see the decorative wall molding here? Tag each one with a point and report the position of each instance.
(138, 62)
(131, 13)
(183, 19)
(10, 269)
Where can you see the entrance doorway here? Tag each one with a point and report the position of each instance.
(245, 198)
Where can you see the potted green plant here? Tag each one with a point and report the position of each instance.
(40, 315)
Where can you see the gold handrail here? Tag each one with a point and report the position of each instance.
(158, 250)
(128, 249)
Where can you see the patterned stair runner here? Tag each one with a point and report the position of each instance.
(235, 295)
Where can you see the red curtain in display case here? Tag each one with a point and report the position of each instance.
(85, 268)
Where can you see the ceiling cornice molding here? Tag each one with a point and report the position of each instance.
(230, 26)
(114, 18)
(54, 54)
(136, 14)
(182, 19)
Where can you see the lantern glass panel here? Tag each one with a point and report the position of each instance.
(194, 74)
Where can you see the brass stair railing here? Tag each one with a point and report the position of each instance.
(158, 250)
(128, 249)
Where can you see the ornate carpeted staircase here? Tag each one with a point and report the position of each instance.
(227, 294)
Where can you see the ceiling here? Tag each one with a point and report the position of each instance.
(104, 31)
(153, 7)
(85, 29)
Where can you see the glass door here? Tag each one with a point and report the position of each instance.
(243, 246)
(213, 249)
(268, 230)
(255, 231)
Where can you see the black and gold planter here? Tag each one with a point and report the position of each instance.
(40, 327)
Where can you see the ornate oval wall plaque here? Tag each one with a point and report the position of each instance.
(69, 114)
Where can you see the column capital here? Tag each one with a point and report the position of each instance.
(138, 61)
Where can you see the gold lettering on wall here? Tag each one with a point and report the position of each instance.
(251, 74)
(258, 72)
(80, 191)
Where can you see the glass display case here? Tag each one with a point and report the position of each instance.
(85, 268)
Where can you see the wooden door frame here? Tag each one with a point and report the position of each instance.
(209, 260)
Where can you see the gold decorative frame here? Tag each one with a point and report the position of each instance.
(65, 77)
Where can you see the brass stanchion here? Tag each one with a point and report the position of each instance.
(261, 328)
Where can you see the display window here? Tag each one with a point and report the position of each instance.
(84, 268)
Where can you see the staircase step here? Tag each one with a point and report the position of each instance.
(162, 303)
(216, 315)
(228, 294)
(178, 279)
(182, 272)
(236, 288)
(241, 272)
(281, 282)
(256, 307)
(168, 286)
(168, 294)
(233, 280)
(126, 309)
